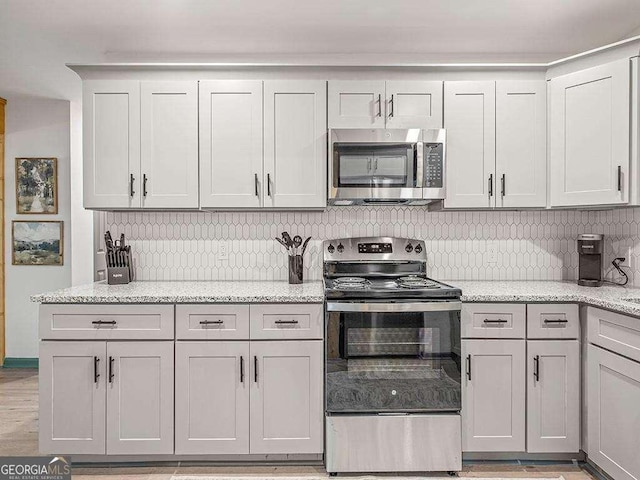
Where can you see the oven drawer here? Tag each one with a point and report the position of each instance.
(106, 322)
(493, 320)
(212, 322)
(286, 321)
(553, 320)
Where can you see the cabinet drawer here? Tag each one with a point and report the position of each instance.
(212, 322)
(493, 320)
(615, 332)
(553, 320)
(282, 321)
(106, 322)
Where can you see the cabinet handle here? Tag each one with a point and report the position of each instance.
(211, 322)
(131, 180)
(255, 369)
(97, 323)
(379, 105)
(468, 367)
(391, 105)
(536, 368)
(255, 182)
(619, 178)
(502, 184)
(96, 375)
(499, 320)
(286, 322)
(144, 185)
(268, 184)
(111, 369)
(491, 185)
(559, 320)
(241, 369)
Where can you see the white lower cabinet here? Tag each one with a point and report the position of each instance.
(553, 396)
(212, 397)
(614, 417)
(493, 396)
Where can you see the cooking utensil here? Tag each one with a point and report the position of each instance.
(281, 242)
(304, 245)
(287, 239)
(297, 241)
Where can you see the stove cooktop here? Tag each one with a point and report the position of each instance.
(408, 286)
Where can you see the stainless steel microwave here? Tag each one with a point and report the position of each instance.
(392, 166)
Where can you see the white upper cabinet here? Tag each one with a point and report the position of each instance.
(169, 144)
(111, 139)
(470, 120)
(231, 143)
(414, 104)
(521, 144)
(295, 144)
(380, 104)
(356, 104)
(589, 136)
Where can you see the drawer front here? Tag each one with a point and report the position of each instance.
(212, 322)
(106, 322)
(553, 320)
(615, 332)
(286, 321)
(493, 320)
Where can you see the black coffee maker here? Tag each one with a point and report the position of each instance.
(591, 264)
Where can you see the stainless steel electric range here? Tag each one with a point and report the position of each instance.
(393, 359)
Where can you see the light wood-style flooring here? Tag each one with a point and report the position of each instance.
(19, 436)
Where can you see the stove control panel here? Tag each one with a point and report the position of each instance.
(375, 248)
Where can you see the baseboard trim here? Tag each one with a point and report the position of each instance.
(13, 362)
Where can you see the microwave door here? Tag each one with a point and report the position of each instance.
(355, 170)
(390, 171)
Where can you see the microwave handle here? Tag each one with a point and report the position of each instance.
(419, 155)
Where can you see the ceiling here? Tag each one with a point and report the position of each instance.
(37, 37)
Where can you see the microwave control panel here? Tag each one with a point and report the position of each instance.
(433, 165)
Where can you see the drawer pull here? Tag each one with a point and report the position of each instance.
(211, 322)
(286, 322)
(96, 375)
(499, 320)
(553, 320)
(111, 369)
(97, 323)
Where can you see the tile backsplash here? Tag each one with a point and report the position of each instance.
(477, 245)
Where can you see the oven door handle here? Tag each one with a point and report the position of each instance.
(447, 306)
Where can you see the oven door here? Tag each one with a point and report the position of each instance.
(396, 357)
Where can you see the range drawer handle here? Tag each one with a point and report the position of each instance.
(103, 322)
(211, 322)
(555, 320)
(498, 320)
(286, 322)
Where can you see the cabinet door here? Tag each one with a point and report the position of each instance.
(212, 397)
(230, 143)
(72, 397)
(613, 390)
(295, 144)
(286, 397)
(111, 143)
(414, 104)
(589, 135)
(356, 104)
(493, 396)
(169, 144)
(139, 398)
(470, 119)
(553, 396)
(521, 143)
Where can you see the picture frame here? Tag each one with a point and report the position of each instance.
(36, 185)
(37, 242)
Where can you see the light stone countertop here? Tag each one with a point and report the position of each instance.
(608, 297)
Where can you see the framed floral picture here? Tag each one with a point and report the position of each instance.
(37, 186)
(37, 242)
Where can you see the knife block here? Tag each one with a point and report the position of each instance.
(118, 275)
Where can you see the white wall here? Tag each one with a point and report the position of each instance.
(34, 127)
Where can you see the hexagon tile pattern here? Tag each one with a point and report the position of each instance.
(531, 245)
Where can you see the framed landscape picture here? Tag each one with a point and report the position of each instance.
(37, 242)
(37, 185)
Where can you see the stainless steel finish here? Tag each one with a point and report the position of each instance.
(410, 195)
(393, 443)
(391, 106)
(350, 251)
(442, 306)
(590, 236)
(590, 259)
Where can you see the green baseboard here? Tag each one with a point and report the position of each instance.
(20, 363)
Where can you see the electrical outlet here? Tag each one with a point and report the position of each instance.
(492, 253)
(628, 258)
(223, 251)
